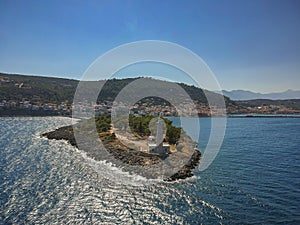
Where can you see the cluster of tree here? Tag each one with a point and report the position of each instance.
(173, 133)
(103, 123)
(139, 125)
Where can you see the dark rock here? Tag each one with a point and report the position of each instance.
(186, 171)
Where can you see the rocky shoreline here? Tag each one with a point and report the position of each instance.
(129, 156)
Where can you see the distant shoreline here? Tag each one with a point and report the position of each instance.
(31, 113)
(228, 116)
(264, 116)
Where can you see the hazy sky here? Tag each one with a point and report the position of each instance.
(252, 45)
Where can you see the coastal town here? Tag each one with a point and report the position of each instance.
(104, 107)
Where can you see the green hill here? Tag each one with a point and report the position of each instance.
(56, 90)
(35, 88)
(40, 95)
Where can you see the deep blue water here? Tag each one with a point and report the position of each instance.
(254, 179)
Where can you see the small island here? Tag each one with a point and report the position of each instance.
(138, 155)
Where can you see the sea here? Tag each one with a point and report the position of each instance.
(254, 179)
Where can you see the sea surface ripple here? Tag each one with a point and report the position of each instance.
(254, 180)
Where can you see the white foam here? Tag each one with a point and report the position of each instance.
(110, 171)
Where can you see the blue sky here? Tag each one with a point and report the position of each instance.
(251, 45)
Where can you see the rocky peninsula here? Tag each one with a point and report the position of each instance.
(128, 155)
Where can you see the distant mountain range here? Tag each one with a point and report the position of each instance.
(249, 95)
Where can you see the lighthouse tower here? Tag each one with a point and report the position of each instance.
(159, 132)
(157, 145)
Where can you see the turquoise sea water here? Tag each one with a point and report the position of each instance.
(254, 179)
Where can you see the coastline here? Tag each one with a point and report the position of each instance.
(129, 156)
(263, 116)
(249, 115)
